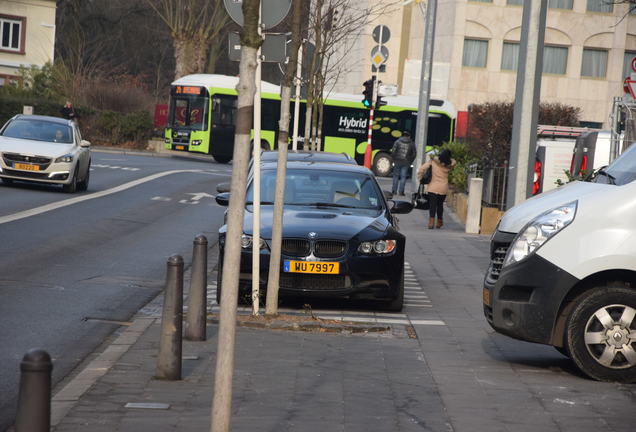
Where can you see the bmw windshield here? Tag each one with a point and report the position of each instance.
(329, 189)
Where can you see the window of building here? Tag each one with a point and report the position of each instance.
(510, 56)
(11, 33)
(555, 59)
(560, 4)
(600, 6)
(594, 63)
(475, 53)
(515, 2)
(627, 63)
(482, 1)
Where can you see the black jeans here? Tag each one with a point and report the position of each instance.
(436, 205)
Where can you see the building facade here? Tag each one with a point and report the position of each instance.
(588, 49)
(27, 35)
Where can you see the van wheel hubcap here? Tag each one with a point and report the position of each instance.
(609, 336)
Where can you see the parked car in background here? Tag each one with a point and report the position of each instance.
(340, 235)
(563, 271)
(46, 150)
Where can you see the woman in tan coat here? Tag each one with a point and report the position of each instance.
(438, 187)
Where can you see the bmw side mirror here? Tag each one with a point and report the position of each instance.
(85, 143)
(387, 195)
(401, 207)
(223, 187)
(223, 199)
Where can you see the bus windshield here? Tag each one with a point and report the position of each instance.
(189, 112)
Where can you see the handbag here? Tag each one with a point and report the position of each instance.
(419, 199)
(428, 175)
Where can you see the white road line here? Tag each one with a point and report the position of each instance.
(160, 198)
(64, 203)
(428, 322)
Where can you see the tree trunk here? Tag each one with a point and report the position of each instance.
(250, 41)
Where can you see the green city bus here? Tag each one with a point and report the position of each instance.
(202, 115)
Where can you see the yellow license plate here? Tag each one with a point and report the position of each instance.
(27, 167)
(486, 296)
(316, 267)
(180, 147)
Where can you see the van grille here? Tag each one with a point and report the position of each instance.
(497, 259)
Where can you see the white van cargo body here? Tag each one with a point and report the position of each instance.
(563, 272)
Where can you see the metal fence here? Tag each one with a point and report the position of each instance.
(495, 183)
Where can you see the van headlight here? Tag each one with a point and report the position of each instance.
(538, 231)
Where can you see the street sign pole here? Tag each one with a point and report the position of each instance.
(297, 101)
(256, 182)
(421, 133)
(375, 59)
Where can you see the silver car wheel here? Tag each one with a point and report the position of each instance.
(609, 338)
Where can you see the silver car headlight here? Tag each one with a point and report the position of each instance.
(68, 158)
(381, 247)
(538, 231)
(247, 240)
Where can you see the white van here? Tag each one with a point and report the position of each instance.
(563, 271)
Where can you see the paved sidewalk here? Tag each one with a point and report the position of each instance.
(439, 368)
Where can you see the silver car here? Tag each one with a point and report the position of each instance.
(45, 150)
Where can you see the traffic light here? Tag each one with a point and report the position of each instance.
(379, 101)
(368, 93)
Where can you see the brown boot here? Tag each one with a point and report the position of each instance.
(440, 223)
(431, 223)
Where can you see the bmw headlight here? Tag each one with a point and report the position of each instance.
(247, 240)
(68, 158)
(381, 247)
(538, 231)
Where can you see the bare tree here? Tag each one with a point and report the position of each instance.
(246, 88)
(194, 25)
(336, 26)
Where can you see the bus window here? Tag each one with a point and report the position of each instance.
(180, 112)
(224, 110)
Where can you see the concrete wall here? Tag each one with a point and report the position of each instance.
(39, 36)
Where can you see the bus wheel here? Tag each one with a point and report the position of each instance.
(382, 164)
(222, 159)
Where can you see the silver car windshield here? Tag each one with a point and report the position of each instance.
(39, 130)
(321, 189)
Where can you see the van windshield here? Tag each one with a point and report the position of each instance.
(622, 170)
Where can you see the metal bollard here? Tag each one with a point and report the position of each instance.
(34, 399)
(197, 299)
(169, 361)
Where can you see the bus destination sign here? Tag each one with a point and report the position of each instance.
(187, 90)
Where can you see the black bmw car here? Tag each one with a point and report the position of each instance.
(340, 235)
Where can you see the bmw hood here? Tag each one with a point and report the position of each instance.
(332, 223)
(518, 216)
(34, 148)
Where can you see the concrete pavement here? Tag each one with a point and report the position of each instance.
(437, 368)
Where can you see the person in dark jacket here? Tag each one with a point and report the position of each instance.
(68, 112)
(403, 154)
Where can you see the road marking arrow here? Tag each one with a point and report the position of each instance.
(197, 196)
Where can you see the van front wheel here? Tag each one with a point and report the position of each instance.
(601, 333)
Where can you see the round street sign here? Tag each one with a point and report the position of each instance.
(386, 34)
(274, 11)
(634, 64)
(379, 55)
